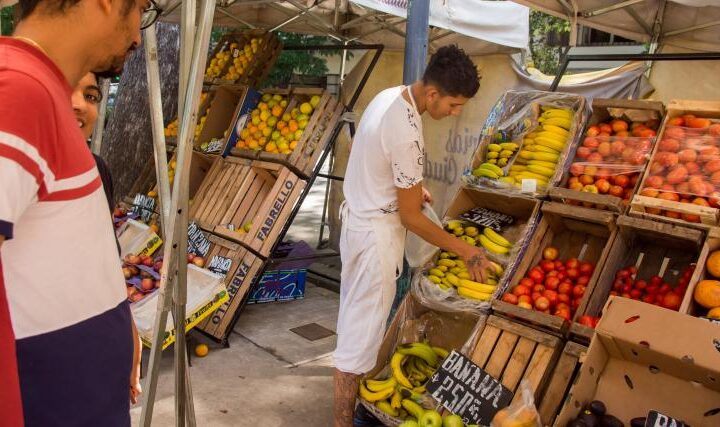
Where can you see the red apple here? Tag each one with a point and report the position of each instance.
(565, 288)
(616, 191)
(524, 304)
(671, 301)
(537, 275)
(542, 303)
(578, 291)
(563, 299)
(147, 284)
(552, 296)
(573, 273)
(586, 321)
(583, 280)
(547, 265)
(603, 185)
(586, 268)
(525, 298)
(199, 261)
(190, 258)
(527, 282)
(552, 283)
(538, 288)
(635, 294)
(520, 290)
(510, 299)
(572, 263)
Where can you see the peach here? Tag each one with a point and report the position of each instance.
(687, 155)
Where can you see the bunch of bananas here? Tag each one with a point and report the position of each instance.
(488, 239)
(500, 154)
(542, 147)
(449, 271)
(411, 366)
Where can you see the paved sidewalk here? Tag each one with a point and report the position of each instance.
(269, 376)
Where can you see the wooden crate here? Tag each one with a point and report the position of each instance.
(712, 244)
(172, 135)
(564, 376)
(655, 248)
(315, 137)
(582, 233)
(512, 352)
(246, 266)
(602, 113)
(220, 114)
(653, 208)
(238, 191)
(261, 63)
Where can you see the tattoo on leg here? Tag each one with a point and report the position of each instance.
(346, 386)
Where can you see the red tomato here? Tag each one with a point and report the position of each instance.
(671, 301)
(565, 288)
(573, 273)
(588, 321)
(586, 268)
(552, 296)
(583, 280)
(510, 299)
(578, 291)
(526, 281)
(547, 265)
(538, 288)
(572, 263)
(640, 284)
(563, 299)
(542, 303)
(537, 275)
(525, 299)
(552, 283)
(521, 290)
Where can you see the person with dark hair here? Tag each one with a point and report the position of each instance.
(65, 324)
(384, 198)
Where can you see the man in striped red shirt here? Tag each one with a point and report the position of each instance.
(65, 326)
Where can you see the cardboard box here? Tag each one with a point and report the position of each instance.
(279, 285)
(645, 358)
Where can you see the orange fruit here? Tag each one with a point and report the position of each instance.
(201, 350)
(277, 111)
(285, 131)
(270, 146)
(293, 125)
(707, 293)
(713, 264)
(281, 125)
(293, 145)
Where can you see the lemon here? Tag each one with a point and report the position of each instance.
(302, 124)
(306, 108)
(314, 101)
(298, 134)
(264, 115)
(275, 136)
(272, 121)
(286, 117)
(267, 97)
(201, 350)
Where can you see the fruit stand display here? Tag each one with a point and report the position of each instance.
(526, 142)
(702, 298)
(247, 201)
(682, 182)
(171, 130)
(648, 261)
(243, 58)
(289, 127)
(220, 114)
(612, 156)
(500, 225)
(566, 255)
(563, 377)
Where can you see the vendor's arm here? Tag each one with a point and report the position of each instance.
(135, 388)
(410, 209)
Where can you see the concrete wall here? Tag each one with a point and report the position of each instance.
(449, 143)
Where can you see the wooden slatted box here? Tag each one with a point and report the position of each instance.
(712, 244)
(239, 192)
(582, 233)
(601, 113)
(563, 377)
(512, 352)
(260, 64)
(655, 248)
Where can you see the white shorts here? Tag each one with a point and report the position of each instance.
(366, 296)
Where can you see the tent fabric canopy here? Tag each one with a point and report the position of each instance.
(692, 24)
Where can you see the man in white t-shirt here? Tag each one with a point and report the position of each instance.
(383, 198)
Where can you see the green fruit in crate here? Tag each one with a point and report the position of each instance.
(453, 421)
(494, 147)
(430, 419)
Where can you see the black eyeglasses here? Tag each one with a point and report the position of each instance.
(150, 15)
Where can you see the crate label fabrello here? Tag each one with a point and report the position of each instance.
(198, 243)
(277, 207)
(220, 265)
(232, 289)
(656, 419)
(463, 388)
(143, 206)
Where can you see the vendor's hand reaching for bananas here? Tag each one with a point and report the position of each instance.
(477, 263)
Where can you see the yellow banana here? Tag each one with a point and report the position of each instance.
(478, 287)
(496, 237)
(442, 268)
(471, 231)
(469, 293)
(436, 272)
(494, 147)
(444, 284)
(452, 279)
(532, 175)
(413, 371)
(550, 165)
(507, 180)
(453, 224)
(441, 352)
(499, 270)
(561, 122)
(544, 149)
(413, 408)
(492, 168)
(420, 389)
(509, 146)
(518, 168)
(525, 154)
(378, 385)
(492, 162)
(556, 130)
(492, 246)
(491, 282)
(434, 279)
(446, 262)
(542, 170)
(424, 367)
(486, 173)
(396, 368)
(395, 401)
(493, 155)
(456, 270)
(467, 239)
(421, 350)
(386, 407)
(463, 275)
(506, 153)
(375, 396)
(546, 134)
(444, 255)
(502, 162)
(546, 157)
(557, 112)
(549, 143)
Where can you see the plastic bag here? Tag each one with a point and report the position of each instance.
(417, 250)
(522, 413)
(504, 142)
(613, 152)
(685, 167)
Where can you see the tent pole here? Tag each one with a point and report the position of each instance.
(97, 135)
(416, 41)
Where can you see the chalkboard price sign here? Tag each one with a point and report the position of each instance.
(488, 218)
(220, 265)
(463, 388)
(198, 243)
(656, 419)
(143, 207)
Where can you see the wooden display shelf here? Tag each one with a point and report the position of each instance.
(262, 61)
(582, 233)
(315, 137)
(512, 352)
(652, 208)
(237, 192)
(712, 244)
(602, 113)
(563, 377)
(655, 248)
(246, 265)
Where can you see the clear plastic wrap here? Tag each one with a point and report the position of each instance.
(685, 167)
(522, 413)
(526, 140)
(613, 152)
(417, 250)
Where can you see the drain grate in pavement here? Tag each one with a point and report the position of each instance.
(313, 332)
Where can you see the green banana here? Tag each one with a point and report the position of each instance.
(396, 367)
(496, 237)
(386, 407)
(375, 396)
(423, 367)
(378, 385)
(413, 408)
(492, 246)
(412, 370)
(421, 350)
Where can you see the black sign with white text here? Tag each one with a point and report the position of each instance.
(143, 206)
(656, 419)
(198, 243)
(488, 218)
(220, 265)
(463, 388)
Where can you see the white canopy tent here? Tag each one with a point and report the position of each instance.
(692, 24)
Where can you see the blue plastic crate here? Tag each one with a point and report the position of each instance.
(279, 285)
